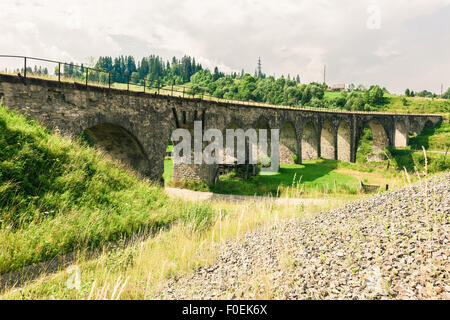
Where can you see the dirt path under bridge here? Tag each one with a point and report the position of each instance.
(209, 196)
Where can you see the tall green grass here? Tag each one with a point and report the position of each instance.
(365, 145)
(413, 160)
(58, 195)
(396, 103)
(432, 138)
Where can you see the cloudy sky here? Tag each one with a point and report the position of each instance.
(397, 44)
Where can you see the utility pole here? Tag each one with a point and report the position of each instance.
(259, 69)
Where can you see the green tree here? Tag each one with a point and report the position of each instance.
(375, 95)
(407, 92)
(446, 94)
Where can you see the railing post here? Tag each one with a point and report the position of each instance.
(25, 67)
(87, 76)
(109, 80)
(59, 71)
(128, 84)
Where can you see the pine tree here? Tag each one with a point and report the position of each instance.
(216, 74)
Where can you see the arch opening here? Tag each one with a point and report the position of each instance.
(414, 128)
(380, 139)
(310, 142)
(365, 145)
(183, 172)
(120, 145)
(344, 142)
(231, 161)
(429, 124)
(327, 149)
(168, 163)
(372, 142)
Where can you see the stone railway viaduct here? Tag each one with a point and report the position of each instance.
(135, 127)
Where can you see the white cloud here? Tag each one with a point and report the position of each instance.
(290, 36)
(73, 18)
(387, 49)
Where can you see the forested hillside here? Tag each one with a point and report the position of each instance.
(154, 71)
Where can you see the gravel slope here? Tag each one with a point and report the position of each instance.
(394, 245)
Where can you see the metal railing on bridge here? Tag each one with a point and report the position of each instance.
(89, 76)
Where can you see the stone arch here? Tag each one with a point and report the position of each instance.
(310, 142)
(401, 134)
(193, 171)
(380, 138)
(344, 141)
(414, 128)
(422, 124)
(121, 145)
(429, 124)
(327, 138)
(288, 144)
(262, 123)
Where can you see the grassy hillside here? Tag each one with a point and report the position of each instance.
(412, 158)
(57, 195)
(399, 103)
(396, 103)
(432, 138)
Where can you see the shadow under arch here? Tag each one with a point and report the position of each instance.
(428, 124)
(121, 145)
(414, 128)
(327, 140)
(423, 138)
(380, 138)
(310, 142)
(288, 147)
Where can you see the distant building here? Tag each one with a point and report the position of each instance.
(337, 87)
